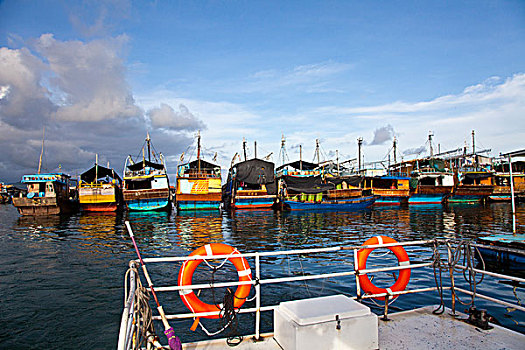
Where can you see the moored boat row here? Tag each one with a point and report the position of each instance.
(256, 184)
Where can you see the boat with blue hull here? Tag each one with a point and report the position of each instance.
(251, 185)
(146, 183)
(505, 250)
(357, 203)
(198, 184)
(389, 189)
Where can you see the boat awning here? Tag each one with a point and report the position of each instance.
(520, 153)
(98, 171)
(141, 165)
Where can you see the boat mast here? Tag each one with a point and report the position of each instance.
(42, 150)
(301, 158)
(395, 149)
(430, 134)
(317, 151)
(244, 147)
(199, 152)
(96, 168)
(148, 140)
(337, 158)
(255, 148)
(359, 143)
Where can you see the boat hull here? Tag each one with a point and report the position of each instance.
(255, 202)
(147, 200)
(198, 201)
(100, 207)
(470, 193)
(41, 206)
(417, 198)
(342, 204)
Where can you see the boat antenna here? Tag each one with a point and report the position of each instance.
(173, 341)
(42, 150)
(317, 151)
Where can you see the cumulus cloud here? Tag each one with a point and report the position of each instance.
(382, 134)
(166, 117)
(78, 91)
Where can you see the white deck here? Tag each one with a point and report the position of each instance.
(414, 329)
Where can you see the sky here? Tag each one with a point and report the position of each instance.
(94, 77)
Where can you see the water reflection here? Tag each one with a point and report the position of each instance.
(78, 262)
(197, 228)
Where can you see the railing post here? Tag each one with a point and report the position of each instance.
(356, 269)
(257, 298)
(451, 272)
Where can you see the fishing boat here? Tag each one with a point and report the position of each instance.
(333, 193)
(99, 189)
(335, 319)
(5, 198)
(198, 184)
(501, 181)
(429, 186)
(392, 189)
(47, 194)
(146, 184)
(251, 185)
(471, 186)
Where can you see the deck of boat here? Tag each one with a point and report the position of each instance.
(414, 329)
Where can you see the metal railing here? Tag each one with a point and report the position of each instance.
(439, 247)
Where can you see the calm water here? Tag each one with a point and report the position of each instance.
(61, 278)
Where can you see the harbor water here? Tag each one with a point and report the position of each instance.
(62, 278)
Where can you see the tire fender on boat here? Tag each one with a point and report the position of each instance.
(403, 260)
(188, 296)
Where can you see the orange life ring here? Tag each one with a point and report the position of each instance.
(402, 257)
(188, 296)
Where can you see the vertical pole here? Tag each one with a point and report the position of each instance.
(395, 150)
(359, 143)
(257, 298)
(317, 150)
(337, 158)
(244, 147)
(96, 168)
(430, 143)
(301, 158)
(149, 147)
(255, 148)
(512, 197)
(42, 150)
(199, 153)
(473, 142)
(451, 272)
(356, 269)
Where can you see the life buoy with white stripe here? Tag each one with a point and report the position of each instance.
(402, 257)
(188, 296)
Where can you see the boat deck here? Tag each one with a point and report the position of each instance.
(414, 329)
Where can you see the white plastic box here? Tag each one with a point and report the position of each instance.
(333, 322)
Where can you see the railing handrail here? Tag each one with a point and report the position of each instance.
(353, 271)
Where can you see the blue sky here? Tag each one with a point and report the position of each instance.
(98, 75)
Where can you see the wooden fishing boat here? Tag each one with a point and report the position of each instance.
(333, 193)
(146, 183)
(429, 186)
(471, 187)
(389, 189)
(502, 190)
(99, 189)
(251, 185)
(5, 198)
(47, 194)
(198, 184)
(507, 251)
